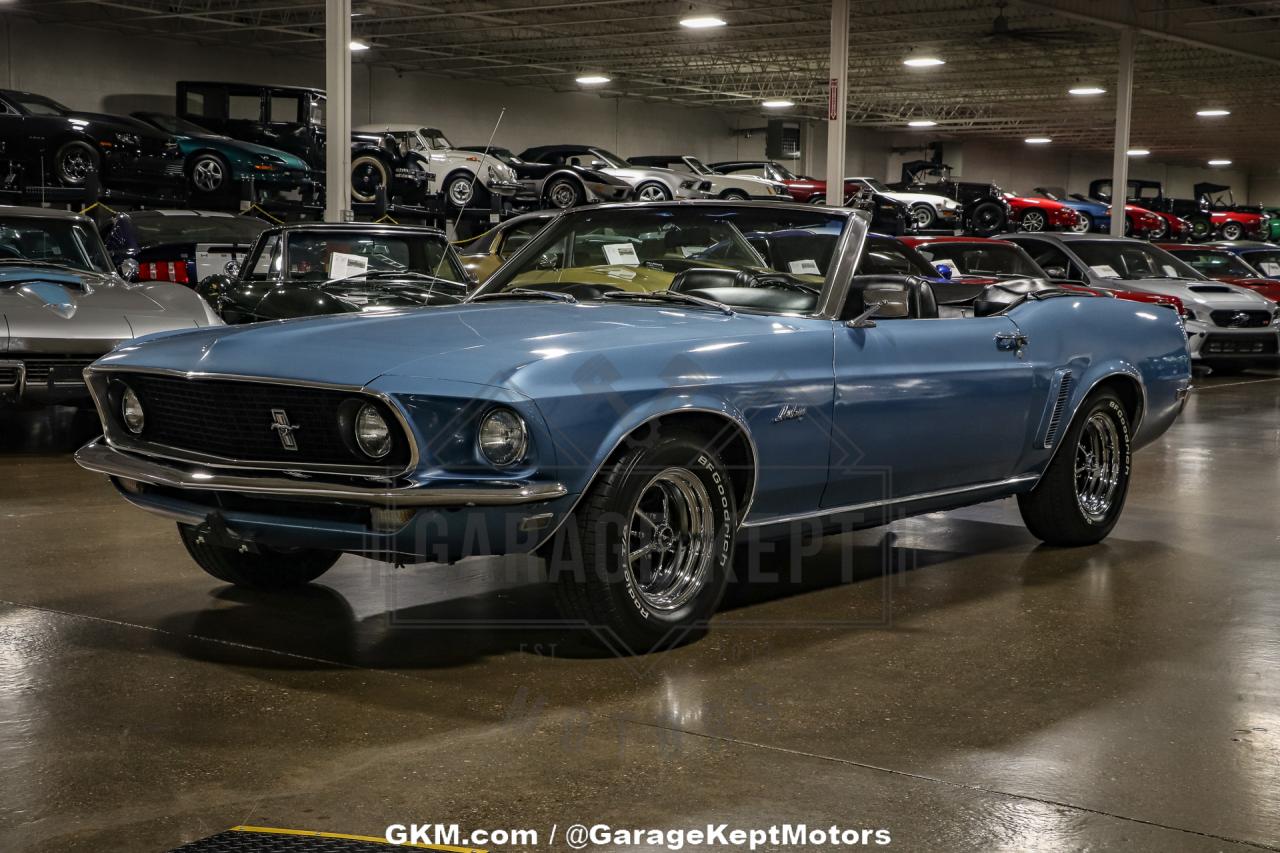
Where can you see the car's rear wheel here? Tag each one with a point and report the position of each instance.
(1081, 494)
(988, 218)
(654, 538)
(208, 174)
(1084, 223)
(564, 193)
(263, 568)
(1232, 231)
(74, 162)
(734, 195)
(922, 217)
(1034, 220)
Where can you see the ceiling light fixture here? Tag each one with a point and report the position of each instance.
(922, 122)
(1086, 90)
(1038, 140)
(1220, 162)
(702, 22)
(923, 61)
(592, 79)
(357, 45)
(777, 103)
(1138, 152)
(1213, 113)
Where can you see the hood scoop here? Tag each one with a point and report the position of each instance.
(1209, 288)
(54, 297)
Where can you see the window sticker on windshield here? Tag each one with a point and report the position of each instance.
(808, 266)
(690, 251)
(1271, 268)
(342, 265)
(1104, 270)
(623, 254)
(1170, 271)
(625, 275)
(954, 266)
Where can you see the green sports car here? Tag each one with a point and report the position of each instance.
(215, 165)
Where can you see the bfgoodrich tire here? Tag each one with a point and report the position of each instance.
(1079, 499)
(266, 569)
(648, 550)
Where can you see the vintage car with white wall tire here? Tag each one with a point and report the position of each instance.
(558, 187)
(465, 179)
(62, 305)
(1229, 328)
(928, 210)
(627, 408)
(648, 183)
(727, 187)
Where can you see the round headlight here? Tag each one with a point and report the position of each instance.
(373, 436)
(131, 411)
(503, 439)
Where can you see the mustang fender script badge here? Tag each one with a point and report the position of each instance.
(789, 412)
(280, 423)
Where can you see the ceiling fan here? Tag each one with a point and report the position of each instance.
(1001, 31)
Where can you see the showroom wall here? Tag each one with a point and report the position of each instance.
(119, 74)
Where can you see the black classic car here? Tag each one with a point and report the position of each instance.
(44, 143)
(291, 118)
(985, 210)
(305, 269)
(182, 246)
(559, 186)
(1213, 211)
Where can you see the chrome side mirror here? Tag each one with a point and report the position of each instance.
(129, 269)
(863, 320)
(232, 268)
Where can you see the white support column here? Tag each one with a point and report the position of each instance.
(1124, 112)
(337, 60)
(837, 100)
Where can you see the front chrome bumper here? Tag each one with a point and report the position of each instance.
(100, 457)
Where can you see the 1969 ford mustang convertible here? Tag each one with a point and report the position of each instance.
(636, 387)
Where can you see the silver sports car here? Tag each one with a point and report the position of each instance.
(62, 305)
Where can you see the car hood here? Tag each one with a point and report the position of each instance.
(1046, 203)
(121, 124)
(53, 311)
(632, 174)
(489, 343)
(1207, 294)
(229, 144)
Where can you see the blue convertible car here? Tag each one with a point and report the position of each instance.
(633, 390)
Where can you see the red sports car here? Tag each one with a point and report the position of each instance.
(1041, 214)
(1224, 265)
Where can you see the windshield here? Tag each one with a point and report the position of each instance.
(708, 251)
(1216, 264)
(1051, 193)
(1131, 261)
(52, 241)
(611, 160)
(697, 166)
(886, 256)
(783, 173)
(1268, 262)
(434, 139)
(875, 185)
(180, 228)
(41, 106)
(983, 259)
(323, 255)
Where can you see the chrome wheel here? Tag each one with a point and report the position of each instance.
(1083, 223)
(1232, 231)
(1099, 464)
(652, 192)
(921, 217)
(207, 174)
(563, 195)
(76, 163)
(461, 191)
(1159, 231)
(1033, 221)
(669, 540)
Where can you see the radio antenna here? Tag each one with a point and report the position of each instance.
(484, 158)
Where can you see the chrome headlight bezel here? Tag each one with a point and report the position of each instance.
(132, 415)
(502, 437)
(371, 432)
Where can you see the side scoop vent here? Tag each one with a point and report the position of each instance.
(1059, 394)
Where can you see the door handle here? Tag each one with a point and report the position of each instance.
(1013, 342)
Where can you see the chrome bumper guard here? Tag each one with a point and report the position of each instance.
(101, 458)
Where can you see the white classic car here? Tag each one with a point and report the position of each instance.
(927, 210)
(722, 186)
(464, 178)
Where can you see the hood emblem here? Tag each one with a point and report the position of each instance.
(280, 423)
(1238, 319)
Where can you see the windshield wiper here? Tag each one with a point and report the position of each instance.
(28, 262)
(527, 293)
(670, 296)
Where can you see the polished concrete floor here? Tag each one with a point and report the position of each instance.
(984, 694)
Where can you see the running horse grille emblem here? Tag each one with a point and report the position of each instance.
(280, 423)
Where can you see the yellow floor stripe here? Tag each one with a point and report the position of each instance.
(312, 834)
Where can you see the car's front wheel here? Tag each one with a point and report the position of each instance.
(1160, 231)
(564, 193)
(922, 217)
(1084, 223)
(1034, 221)
(988, 218)
(654, 545)
(1201, 228)
(208, 174)
(1079, 498)
(263, 568)
(368, 175)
